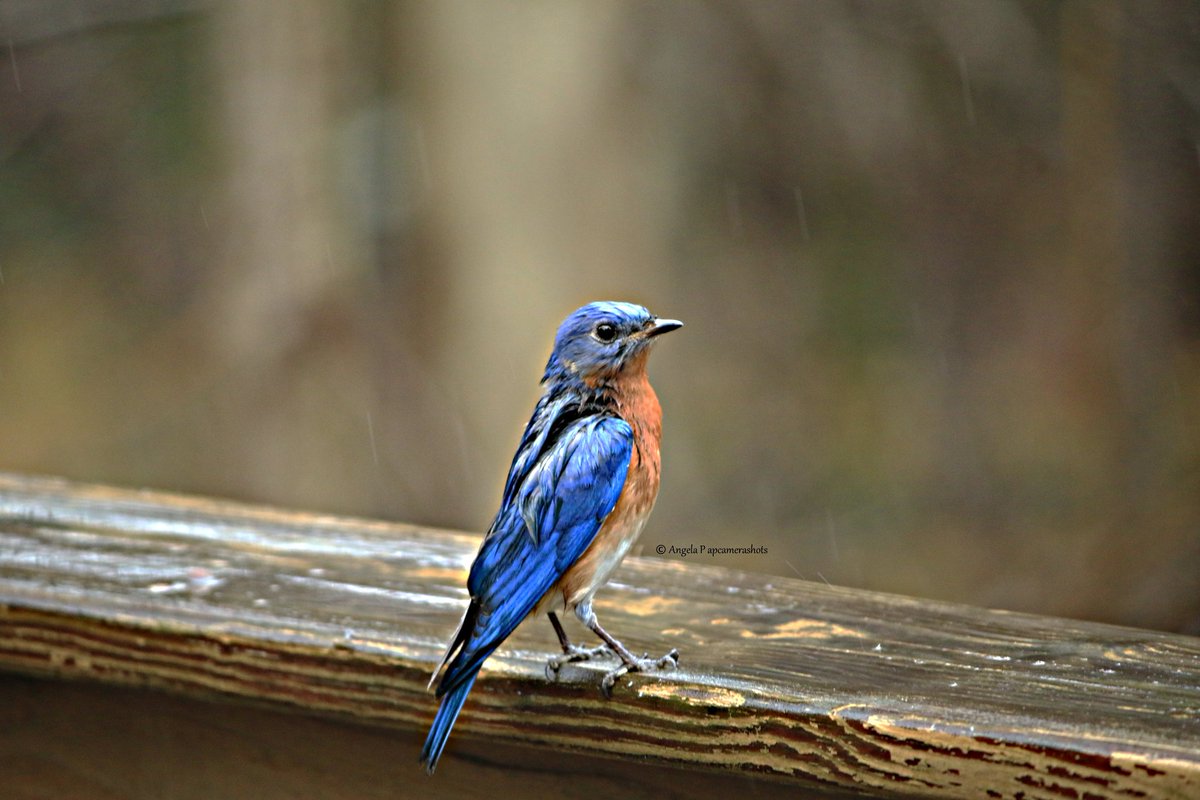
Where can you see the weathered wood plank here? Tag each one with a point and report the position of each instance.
(824, 686)
(95, 741)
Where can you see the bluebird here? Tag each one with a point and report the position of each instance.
(580, 487)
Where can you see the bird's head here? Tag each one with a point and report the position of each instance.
(599, 340)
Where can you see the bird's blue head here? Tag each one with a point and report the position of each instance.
(597, 341)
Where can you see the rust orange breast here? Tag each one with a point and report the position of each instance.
(638, 405)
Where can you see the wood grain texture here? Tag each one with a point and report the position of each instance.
(92, 741)
(784, 679)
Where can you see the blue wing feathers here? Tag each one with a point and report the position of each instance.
(567, 492)
(541, 425)
(561, 486)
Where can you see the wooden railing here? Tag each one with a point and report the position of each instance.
(125, 615)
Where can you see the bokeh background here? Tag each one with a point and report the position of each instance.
(939, 264)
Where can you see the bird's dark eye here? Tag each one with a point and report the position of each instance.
(606, 332)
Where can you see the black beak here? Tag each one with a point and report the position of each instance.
(661, 326)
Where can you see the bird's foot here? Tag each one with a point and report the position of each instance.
(572, 654)
(643, 664)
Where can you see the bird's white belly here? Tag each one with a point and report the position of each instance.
(611, 557)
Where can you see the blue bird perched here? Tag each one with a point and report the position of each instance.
(581, 485)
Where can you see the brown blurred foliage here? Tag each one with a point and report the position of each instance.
(939, 261)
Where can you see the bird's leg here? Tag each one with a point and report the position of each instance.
(560, 633)
(571, 652)
(629, 662)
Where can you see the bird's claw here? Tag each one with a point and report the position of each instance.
(643, 664)
(575, 653)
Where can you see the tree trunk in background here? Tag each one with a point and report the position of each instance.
(272, 304)
(279, 68)
(1160, 207)
(1128, 160)
(542, 197)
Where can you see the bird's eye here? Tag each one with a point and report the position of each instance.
(606, 332)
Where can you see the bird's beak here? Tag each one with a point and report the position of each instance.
(660, 326)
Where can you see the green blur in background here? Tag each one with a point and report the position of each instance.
(939, 264)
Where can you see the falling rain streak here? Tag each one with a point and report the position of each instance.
(733, 207)
(371, 433)
(801, 214)
(12, 56)
(831, 529)
(965, 79)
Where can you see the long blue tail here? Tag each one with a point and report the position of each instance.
(435, 742)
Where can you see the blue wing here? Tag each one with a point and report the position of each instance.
(546, 415)
(551, 513)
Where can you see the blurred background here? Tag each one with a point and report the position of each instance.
(939, 264)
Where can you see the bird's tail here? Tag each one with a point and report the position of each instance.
(447, 712)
